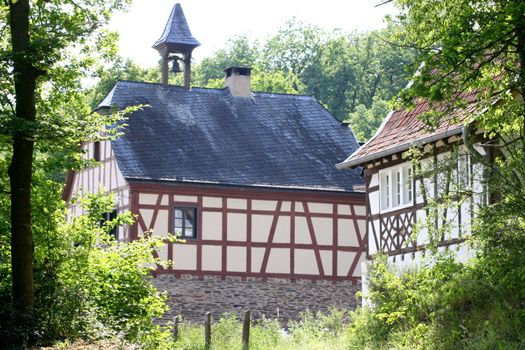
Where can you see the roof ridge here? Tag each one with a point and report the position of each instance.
(277, 94)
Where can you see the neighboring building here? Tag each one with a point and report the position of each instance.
(399, 186)
(246, 178)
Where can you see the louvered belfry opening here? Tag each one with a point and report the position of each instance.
(176, 45)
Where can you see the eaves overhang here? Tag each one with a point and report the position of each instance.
(350, 163)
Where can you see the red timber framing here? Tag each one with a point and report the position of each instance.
(333, 258)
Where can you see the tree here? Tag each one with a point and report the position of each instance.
(477, 48)
(341, 70)
(122, 69)
(50, 47)
(365, 121)
(468, 48)
(239, 52)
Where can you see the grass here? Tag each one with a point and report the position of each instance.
(311, 331)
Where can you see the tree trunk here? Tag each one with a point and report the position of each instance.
(519, 22)
(20, 169)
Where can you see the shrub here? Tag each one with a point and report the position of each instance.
(87, 284)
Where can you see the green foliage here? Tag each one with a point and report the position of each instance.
(311, 331)
(239, 52)
(120, 69)
(365, 121)
(473, 47)
(66, 41)
(87, 284)
(447, 305)
(352, 75)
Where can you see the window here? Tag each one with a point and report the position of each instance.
(464, 171)
(96, 151)
(185, 222)
(408, 186)
(108, 216)
(396, 186)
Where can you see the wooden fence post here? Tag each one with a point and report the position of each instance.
(207, 330)
(246, 329)
(176, 328)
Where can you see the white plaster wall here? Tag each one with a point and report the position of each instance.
(278, 261)
(261, 225)
(212, 202)
(261, 221)
(344, 209)
(373, 202)
(148, 198)
(373, 227)
(211, 225)
(236, 259)
(264, 205)
(185, 199)
(326, 260)
(184, 256)
(257, 258)
(305, 262)
(346, 236)
(344, 262)
(320, 208)
(211, 258)
(323, 228)
(360, 210)
(236, 227)
(282, 230)
(301, 231)
(234, 203)
(106, 178)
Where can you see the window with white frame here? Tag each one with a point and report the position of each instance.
(396, 186)
(185, 222)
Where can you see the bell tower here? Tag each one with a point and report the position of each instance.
(176, 44)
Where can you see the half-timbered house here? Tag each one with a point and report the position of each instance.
(246, 178)
(400, 185)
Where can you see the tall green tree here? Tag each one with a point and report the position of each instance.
(475, 49)
(469, 46)
(121, 69)
(342, 70)
(45, 50)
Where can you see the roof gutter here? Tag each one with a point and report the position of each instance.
(400, 148)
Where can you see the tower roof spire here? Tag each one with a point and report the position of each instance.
(177, 36)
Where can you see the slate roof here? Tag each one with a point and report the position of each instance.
(209, 136)
(402, 129)
(177, 33)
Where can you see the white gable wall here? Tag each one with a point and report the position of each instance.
(387, 227)
(105, 178)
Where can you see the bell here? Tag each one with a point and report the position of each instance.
(175, 68)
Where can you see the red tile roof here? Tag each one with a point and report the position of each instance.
(403, 129)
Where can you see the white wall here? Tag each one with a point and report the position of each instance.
(458, 216)
(105, 178)
(252, 235)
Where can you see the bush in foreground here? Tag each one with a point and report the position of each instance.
(88, 285)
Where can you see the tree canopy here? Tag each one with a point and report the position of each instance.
(346, 72)
(46, 48)
(466, 47)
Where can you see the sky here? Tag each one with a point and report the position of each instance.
(213, 22)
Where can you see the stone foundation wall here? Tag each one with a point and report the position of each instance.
(192, 297)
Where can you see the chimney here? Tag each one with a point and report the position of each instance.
(175, 45)
(238, 81)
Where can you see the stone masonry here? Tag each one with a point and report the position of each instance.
(192, 297)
